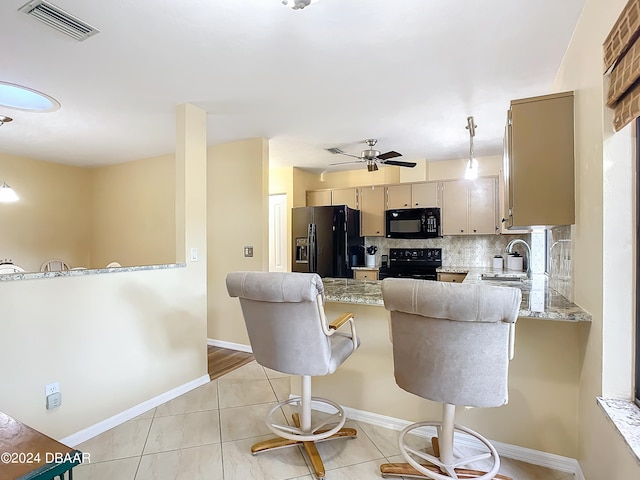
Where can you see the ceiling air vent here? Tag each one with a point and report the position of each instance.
(59, 19)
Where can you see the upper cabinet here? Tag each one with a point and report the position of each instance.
(318, 198)
(398, 196)
(424, 194)
(345, 196)
(372, 211)
(539, 162)
(412, 195)
(470, 207)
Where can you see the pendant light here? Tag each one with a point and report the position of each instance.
(7, 195)
(471, 173)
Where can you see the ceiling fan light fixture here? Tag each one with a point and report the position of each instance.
(471, 172)
(7, 195)
(298, 4)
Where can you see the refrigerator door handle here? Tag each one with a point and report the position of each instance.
(313, 254)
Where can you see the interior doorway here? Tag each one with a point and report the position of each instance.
(278, 258)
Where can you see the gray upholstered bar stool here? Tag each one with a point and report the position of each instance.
(451, 344)
(289, 333)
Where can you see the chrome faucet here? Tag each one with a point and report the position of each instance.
(509, 249)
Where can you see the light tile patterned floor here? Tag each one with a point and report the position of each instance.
(207, 433)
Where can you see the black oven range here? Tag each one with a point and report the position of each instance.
(418, 263)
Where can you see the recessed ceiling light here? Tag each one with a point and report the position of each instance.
(23, 98)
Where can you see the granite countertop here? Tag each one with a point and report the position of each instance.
(85, 271)
(538, 300)
(348, 290)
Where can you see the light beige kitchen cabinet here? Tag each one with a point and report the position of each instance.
(372, 211)
(412, 195)
(539, 162)
(398, 196)
(345, 196)
(451, 277)
(318, 198)
(368, 274)
(424, 194)
(470, 207)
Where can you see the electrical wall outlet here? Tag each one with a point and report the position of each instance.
(51, 389)
(248, 251)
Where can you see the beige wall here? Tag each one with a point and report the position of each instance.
(53, 217)
(89, 217)
(602, 241)
(133, 212)
(303, 181)
(112, 341)
(454, 169)
(360, 176)
(237, 200)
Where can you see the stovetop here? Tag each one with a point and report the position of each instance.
(415, 257)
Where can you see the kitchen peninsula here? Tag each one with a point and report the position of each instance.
(538, 300)
(544, 375)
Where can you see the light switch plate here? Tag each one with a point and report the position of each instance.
(248, 251)
(194, 254)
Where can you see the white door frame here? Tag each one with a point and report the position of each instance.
(278, 238)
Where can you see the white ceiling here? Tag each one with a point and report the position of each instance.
(334, 74)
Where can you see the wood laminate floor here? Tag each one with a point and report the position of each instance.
(223, 360)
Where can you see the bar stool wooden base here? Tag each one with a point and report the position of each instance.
(309, 447)
(406, 470)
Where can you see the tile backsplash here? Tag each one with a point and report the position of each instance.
(457, 250)
(559, 264)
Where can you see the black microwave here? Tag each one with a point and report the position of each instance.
(413, 223)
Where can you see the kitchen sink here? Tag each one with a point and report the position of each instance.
(500, 278)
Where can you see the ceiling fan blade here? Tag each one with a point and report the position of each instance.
(400, 164)
(337, 151)
(344, 163)
(391, 154)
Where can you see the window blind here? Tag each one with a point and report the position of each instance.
(621, 54)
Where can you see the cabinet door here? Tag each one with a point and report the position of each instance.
(541, 161)
(365, 274)
(372, 211)
(451, 277)
(424, 194)
(398, 196)
(318, 198)
(345, 196)
(454, 207)
(483, 206)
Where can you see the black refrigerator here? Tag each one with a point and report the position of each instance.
(326, 240)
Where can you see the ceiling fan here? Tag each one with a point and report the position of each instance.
(372, 157)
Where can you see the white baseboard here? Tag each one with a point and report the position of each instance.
(230, 345)
(535, 457)
(118, 419)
